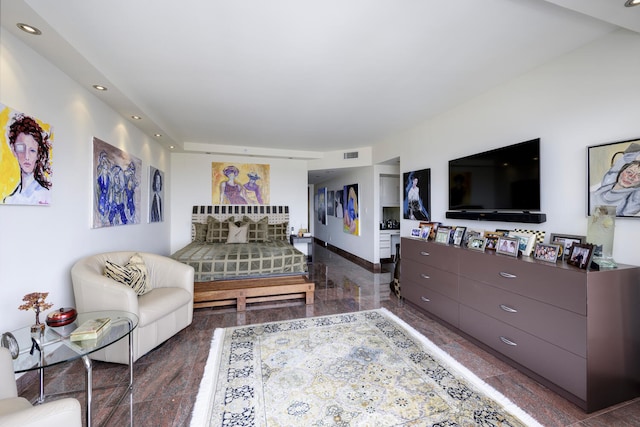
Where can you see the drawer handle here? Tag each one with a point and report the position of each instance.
(425, 299)
(424, 253)
(508, 275)
(424, 276)
(508, 341)
(508, 309)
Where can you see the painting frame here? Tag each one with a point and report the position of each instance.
(417, 195)
(156, 195)
(415, 232)
(614, 177)
(351, 206)
(425, 232)
(434, 228)
(581, 255)
(458, 235)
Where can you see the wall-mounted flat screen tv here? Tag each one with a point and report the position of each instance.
(504, 179)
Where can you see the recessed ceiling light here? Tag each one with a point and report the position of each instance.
(157, 135)
(631, 3)
(29, 29)
(172, 147)
(100, 87)
(134, 117)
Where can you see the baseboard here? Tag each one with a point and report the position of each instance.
(370, 266)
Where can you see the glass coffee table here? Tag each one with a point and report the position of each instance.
(41, 350)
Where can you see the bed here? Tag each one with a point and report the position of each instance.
(241, 254)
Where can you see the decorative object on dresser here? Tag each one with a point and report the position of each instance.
(425, 232)
(581, 254)
(442, 235)
(415, 232)
(526, 241)
(566, 241)
(507, 246)
(434, 228)
(366, 368)
(544, 252)
(458, 235)
(568, 328)
(600, 232)
(477, 243)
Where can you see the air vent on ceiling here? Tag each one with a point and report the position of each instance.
(351, 155)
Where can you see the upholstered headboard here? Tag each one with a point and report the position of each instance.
(277, 214)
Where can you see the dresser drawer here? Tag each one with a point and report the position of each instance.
(433, 278)
(431, 301)
(559, 366)
(563, 328)
(437, 255)
(554, 284)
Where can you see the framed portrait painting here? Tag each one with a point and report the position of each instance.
(417, 194)
(614, 177)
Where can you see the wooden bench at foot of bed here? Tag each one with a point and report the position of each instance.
(241, 292)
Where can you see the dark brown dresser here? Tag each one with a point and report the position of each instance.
(575, 331)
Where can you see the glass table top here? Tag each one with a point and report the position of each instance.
(54, 342)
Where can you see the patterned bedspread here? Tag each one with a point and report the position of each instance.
(217, 261)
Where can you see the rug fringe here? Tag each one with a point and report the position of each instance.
(473, 378)
(201, 413)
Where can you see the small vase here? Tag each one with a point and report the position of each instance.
(37, 328)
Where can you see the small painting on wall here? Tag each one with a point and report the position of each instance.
(339, 207)
(330, 203)
(351, 216)
(26, 152)
(240, 184)
(417, 194)
(117, 177)
(156, 195)
(614, 177)
(322, 205)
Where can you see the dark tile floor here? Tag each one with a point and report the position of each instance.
(167, 379)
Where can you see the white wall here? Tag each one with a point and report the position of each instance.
(191, 185)
(38, 245)
(588, 97)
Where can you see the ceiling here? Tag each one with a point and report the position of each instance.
(297, 78)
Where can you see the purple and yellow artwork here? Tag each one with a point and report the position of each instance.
(239, 184)
(26, 152)
(116, 183)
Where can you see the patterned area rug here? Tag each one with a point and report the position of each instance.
(358, 369)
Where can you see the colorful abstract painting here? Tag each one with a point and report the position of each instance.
(116, 183)
(156, 195)
(350, 203)
(26, 152)
(239, 184)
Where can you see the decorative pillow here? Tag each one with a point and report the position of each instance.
(201, 232)
(134, 274)
(237, 234)
(257, 230)
(217, 231)
(278, 231)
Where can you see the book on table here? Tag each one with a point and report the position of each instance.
(91, 329)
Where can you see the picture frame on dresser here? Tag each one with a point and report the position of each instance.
(526, 241)
(491, 240)
(581, 254)
(415, 232)
(425, 232)
(442, 235)
(547, 252)
(508, 246)
(477, 243)
(566, 241)
(434, 227)
(458, 235)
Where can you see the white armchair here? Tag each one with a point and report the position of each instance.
(162, 312)
(17, 411)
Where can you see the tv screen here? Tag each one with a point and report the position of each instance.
(506, 178)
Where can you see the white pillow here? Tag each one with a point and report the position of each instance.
(134, 274)
(237, 234)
